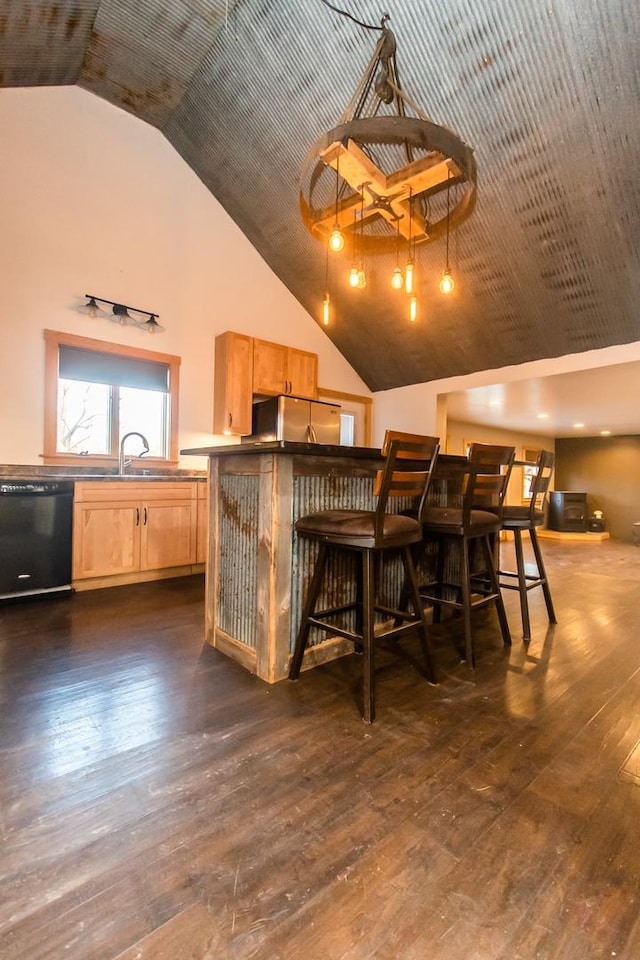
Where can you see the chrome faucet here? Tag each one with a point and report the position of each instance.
(122, 463)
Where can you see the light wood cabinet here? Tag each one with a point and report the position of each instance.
(168, 534)
(302, 373)
(233, 386)
(280, 369)
(127, 530)
(106, 539)
(269, 367)
(245, 367)
(202, 536)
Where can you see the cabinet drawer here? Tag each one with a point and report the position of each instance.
(113, 491)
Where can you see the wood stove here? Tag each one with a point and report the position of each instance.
(567, 511)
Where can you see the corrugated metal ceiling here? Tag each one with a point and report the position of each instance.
(546, 94)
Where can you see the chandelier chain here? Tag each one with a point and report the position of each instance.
(344, 13)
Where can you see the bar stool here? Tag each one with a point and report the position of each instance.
(482, 482)
(373, 534)
(527, 518)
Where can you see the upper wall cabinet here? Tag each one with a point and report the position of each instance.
(302, 373)
(233, 386)
(245, 367)
(279, 369)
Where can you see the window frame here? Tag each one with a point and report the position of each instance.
(360, 406)
(53, 340)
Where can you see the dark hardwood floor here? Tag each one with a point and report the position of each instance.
(157, 801)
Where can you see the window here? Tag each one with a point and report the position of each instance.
(348, 429)
(96, 392)
(530, 458)
(355, 416)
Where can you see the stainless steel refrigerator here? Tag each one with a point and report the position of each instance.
(296, 419)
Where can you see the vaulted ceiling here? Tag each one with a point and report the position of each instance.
(546, 94)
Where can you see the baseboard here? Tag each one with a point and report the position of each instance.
(588, 537)
(139, 576)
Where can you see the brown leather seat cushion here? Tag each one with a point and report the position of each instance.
(356, 523)
(449, 520)
(520, 513)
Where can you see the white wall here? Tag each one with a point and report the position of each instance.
(421, 407)
(93, 200)
(460, 434)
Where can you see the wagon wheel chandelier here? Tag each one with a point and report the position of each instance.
(385, 173)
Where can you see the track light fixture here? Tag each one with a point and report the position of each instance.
(120, 314)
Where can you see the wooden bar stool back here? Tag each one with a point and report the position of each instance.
(526, 518)
(474, 520)
(406, 474)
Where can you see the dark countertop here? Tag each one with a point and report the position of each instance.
(142, 477)
(284, 447)
(40, 472)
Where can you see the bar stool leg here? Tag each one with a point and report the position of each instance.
(495, 589)
(307, 611)
(411, 586)
(542, 573)
(357, 646)
(368, 582)
(465, 585)
(440, 558)
(522, 584)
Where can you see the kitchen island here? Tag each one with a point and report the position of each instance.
(257, 569)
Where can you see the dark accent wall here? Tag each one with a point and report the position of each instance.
(608, 469)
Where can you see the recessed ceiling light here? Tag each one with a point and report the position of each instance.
(605, 433)
(495, 403)
(543, 416)
(578, 426)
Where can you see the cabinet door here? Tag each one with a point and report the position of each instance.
(202, 533)
(168, 534)
(269, 368)
(302, 373)
(106, 539)
(233, 386)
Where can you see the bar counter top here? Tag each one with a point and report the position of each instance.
(286, 447)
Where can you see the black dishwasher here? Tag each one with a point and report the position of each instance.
(35, 537)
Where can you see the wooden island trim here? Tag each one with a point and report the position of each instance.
(264, 590)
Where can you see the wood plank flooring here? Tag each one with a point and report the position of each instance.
(157, 802)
